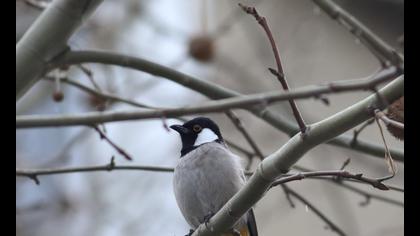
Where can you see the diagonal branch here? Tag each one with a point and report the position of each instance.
(120, 150)
(47, 38)
(384, 52)
(279, 73)
(280, 161)
(238, 123)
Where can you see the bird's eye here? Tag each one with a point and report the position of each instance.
(197, 128)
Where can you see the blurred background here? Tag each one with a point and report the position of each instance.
(314, 50)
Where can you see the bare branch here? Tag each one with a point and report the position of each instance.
(115, 146)
(345, 163)
(33, 173)
(89, 75)
(380, 115)
(47, 38)
(337, 173)
(356, 132)
(340, 181)
(385, 53)
(90, 118)
(212, 91)
(321, 215)
(38, 4)
(279, 73)
(101, 94)
(280, 161)
(227, 23)
(238, 123)
(370, 195)
(286, 190)
(116, 98)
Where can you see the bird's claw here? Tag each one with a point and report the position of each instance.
(208, 217)
(236, 232)
(190, 233)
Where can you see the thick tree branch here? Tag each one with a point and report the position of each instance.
(280, 161)
(385, 53)
(47, 38)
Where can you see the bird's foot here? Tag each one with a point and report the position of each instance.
(236, 232)
(190, 233)
(208, 217)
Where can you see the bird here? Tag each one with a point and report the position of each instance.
(207, 175)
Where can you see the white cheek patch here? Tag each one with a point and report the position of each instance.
(205, 136)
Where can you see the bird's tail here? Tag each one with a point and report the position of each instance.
(250, 229)
(251, 224)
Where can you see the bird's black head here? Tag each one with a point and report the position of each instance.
(197, 131)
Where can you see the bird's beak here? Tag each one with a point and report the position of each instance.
(180, 129)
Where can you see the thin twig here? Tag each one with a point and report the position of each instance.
(321, 215)
(339, 181)
(376, 183)
(34, 173)
(39, 4)
(115, 146)
(356, 132)
(364, 193)
(385, 53)
(89, 75)
(371, 195)
(345, 163)
(279, 73)
(238, 124)
(287, 193)
(227, 23)
(379, 114)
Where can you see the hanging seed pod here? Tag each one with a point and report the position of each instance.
(58, 96)
(201, 48)
(396, 112)
(99, 103)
